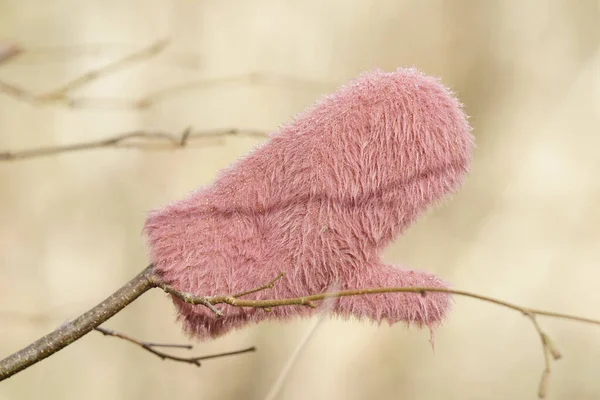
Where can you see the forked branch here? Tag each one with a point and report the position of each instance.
(139, 140)
(71, 331)
(75, 329)
(151, 347)
(63, 94)
(60, 95)
(548, 347)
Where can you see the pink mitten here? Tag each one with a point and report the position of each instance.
(319, 201)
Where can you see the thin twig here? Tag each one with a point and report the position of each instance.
(17, 92)
(548, 347)
(71, 331)
(8, 51)
(152, 98)
(61, 93)
(110, 332)
(253, 79)
(266, 286)
(543, 385)
(325, 308)
(188, 297)
(207, 301)
(149, 346)
(307, 300)
(140, 140)
(46, 54)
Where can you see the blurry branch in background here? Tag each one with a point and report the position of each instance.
(146, 280)
(8, 51)
(62, 95)
(151, 347)
(35, 55)
(324, 309)
(140, 140)
(253, 79)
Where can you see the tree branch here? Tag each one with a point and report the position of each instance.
(56, 54)
(150, 347)
(548, 347)
(60, 94)
(73, 330)
(252, 79)
(234, 300)
(140, 140)
(8, 51)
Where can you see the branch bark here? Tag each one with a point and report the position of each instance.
(80, 326)
(145, 280)
(151, 348)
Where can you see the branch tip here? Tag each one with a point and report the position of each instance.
(150, 347)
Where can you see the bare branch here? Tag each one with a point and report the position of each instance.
(543, 385)
(233, 300)
(325, 308)
(548, 347)
(268, 285)
(49, 54)
(72, 331)
(75, 329)
(254, 79)
(113, 333)
(140, 140)
(8, 51)
(151, 99)
(150, 347)
(17, 92)
(60, 94)
(206, 301)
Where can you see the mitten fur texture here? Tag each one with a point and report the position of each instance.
(319, 201)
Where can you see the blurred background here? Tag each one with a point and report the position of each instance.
(525, 228)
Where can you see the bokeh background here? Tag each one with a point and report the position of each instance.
(525, 228)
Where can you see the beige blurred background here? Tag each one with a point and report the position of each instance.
(525, 228)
